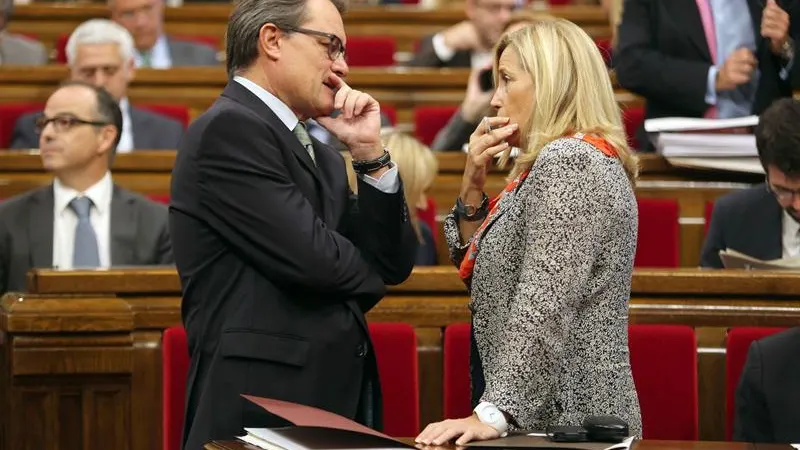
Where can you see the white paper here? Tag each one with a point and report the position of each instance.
(697, 145)
(744, 165)
(797, 446)
(691, 123)
(537, 434)
(624, 445)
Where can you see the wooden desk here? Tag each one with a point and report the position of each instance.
(198, 87)
(638, 445)
(149, 172)
(407, 24)
(80, 355)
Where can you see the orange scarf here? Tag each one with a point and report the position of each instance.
(467, 265)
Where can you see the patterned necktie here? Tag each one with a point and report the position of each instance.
(302, 134)
(146, 59)
(85, 253)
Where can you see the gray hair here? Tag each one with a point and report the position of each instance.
(246, 20)
(100, 31)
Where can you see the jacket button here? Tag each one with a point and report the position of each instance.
(361, 350)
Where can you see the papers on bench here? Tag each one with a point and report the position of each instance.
(731, 259)
(680, 137)
(315, 429)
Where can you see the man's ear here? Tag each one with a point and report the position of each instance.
(270, 40)
(108, 134)
(130, 68)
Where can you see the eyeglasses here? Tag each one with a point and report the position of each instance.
(335, 46)
(782, 194)
(64, 123)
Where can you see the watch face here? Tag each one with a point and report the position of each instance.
(470, 210)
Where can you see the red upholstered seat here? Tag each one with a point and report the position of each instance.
(371, 51)
(212, 41)
(60, 48)
(658, 242)
(175, 367)
(177, 112)
(391, 113)
(428, 215)
(160, 198)
(9, 113)
(456, 390)
(709, 211)
(664, 365)
(604, 45)
(428, 120)
(632, 119)
(737, 346)
(395, 347)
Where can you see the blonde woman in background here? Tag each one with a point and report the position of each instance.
(549, 261)
(418, 167)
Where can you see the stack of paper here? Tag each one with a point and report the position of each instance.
(731, 259)
(703, 138)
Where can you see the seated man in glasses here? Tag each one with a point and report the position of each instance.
(81, 220)
(763, 221)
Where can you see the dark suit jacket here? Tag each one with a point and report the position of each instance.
(663, 56)
(151, 131)
(748, 221)
(186, 53)
(139, 234)
(768, 393)
(426, 57)
(278, 264)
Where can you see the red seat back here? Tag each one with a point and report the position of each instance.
(9, 113)
(371, 51)
(737, 346)
(60, 48)
(632, 119)
(160, 198)
(664, 366)
(428, 215)
(456, 390)
(395, 347)
(391, 113)
(175, 366)
(604, 46)
(658, 243)
(428, 120)
(709, 211)
(177, 112)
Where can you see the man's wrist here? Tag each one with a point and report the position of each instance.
(366, 152)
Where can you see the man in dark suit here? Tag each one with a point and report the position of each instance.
(278, 261)
(17, 50)
(768, 393)
(763, 221)
(468, 43)
(154, 49)
(82, 219)
(731, 59)
(100, 52)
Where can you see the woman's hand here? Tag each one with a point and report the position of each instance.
(466, 430)
(484, 144)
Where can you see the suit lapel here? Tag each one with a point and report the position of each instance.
(755, 8)
(40, 228)
(139, 122)
(768, 218)
(122, 228)
(687, 17)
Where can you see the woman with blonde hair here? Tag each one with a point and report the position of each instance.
(417, 167)
(549, 261)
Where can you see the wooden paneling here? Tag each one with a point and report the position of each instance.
(80, 357)
(407, 24)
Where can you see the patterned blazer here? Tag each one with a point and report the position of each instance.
(550, 291)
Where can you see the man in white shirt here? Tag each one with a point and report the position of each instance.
(468, 43)
(100, 52)
(763, 221)
(144, 19)
(82, 220)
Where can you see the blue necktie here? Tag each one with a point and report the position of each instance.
(85, 253)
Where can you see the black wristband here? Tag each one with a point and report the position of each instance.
(365, 166)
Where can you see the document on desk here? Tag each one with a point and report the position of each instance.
(731, 259)
(315, 429)
(540, 441)
(666, 124)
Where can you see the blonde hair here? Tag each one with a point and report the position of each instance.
(571, 92)
(417, 167)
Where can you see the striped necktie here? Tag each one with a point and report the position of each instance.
(302, 134)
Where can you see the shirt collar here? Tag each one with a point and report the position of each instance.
(278, 107)
(99, 193)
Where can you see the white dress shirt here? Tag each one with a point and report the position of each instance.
(126, 138)
(159, 55)
(389, 182)
(478, 60)
(65, 221)
(791, 237)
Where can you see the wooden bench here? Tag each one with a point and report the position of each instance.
(149, 172)
(197, 88)
(80, 354)
(407, 24)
